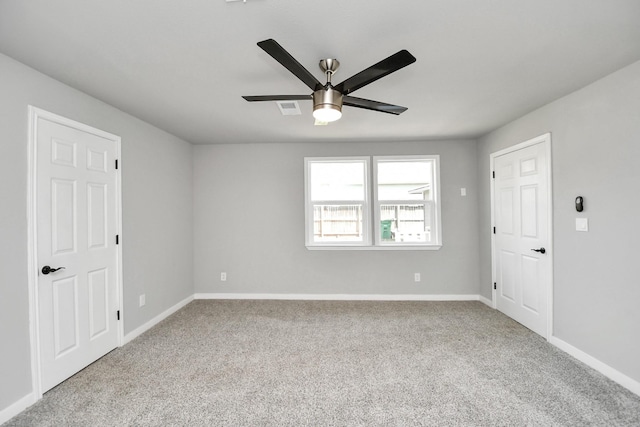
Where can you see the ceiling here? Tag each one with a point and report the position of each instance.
(183, 66)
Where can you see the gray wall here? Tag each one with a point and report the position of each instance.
(249, 222)
(595, 154)
(157, 212)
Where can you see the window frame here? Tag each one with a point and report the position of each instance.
(371, 206)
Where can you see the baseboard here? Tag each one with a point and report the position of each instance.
(603, 368)
(338, 297)
(159, 318)
(486, 301)
(15, 408)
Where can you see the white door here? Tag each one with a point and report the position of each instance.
(522, 251)
(76, 234)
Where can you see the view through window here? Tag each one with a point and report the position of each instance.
(404, 195)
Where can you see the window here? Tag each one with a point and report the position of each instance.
(337, 208)
(395, 204)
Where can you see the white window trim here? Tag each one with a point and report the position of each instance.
(371, 214)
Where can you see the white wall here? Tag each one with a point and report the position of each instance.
(157, 212)
(249, 222)
(595, 154)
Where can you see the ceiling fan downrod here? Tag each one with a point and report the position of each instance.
(328, 67)
(327, 102)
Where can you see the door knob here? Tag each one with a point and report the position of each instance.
(541, 250)
(46, 269)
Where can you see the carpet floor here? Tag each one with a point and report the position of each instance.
(336, 363)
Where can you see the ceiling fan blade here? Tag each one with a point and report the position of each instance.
(277, 98)
(368, 104)
(386, 66)
(290, 63)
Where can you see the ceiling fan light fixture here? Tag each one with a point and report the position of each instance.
(327, 105)
(327, 113)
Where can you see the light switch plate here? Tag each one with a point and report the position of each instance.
(582, 224)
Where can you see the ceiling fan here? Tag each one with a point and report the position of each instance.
(329, 99)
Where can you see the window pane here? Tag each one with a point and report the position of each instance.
(337, 180)
(405, 180)
(337, 223)
(405, 223)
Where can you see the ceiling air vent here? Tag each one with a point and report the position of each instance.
(289, 108)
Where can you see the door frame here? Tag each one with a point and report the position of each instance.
(545, 140)
(32, 235)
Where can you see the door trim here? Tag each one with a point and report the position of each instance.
(32, 241)
(545, 140)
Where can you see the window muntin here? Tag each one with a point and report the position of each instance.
(404, 211)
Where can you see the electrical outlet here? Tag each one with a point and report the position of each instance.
(223, 277)
(142, 300)
(416, 277)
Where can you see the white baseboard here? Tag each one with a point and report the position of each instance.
(338, 297)
(14, 409)
(486, 301)
(604, 369)
(159, 318)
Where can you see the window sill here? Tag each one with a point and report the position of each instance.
(376, 248)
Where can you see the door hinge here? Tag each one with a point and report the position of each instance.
(117, 239)
(118, 314)
(494, 230)
(494, 173)
(495, 285)
(116, 163)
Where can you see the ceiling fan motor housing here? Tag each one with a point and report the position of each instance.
(327, 97)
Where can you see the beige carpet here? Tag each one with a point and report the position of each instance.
(302, 363)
